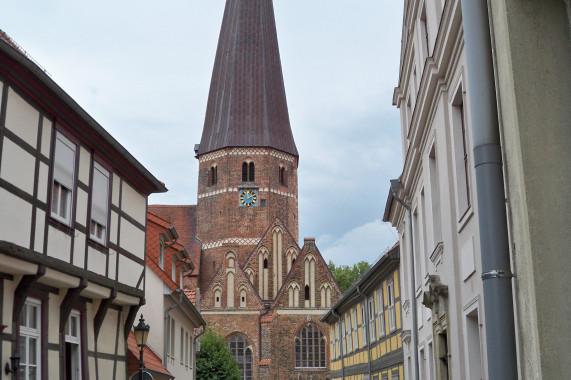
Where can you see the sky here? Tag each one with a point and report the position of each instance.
(142, 69)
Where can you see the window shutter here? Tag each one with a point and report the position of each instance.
(100, 195)
(64, 165)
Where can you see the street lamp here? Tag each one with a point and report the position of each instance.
(141, 334)
(15, 362)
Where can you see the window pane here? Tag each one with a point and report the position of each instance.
(33, 351)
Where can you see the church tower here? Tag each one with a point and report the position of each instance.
(247, 154)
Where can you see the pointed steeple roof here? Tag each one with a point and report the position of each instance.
(247, 102)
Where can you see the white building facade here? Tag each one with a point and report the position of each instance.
(484, 93)
(438, 184)
(72, 231)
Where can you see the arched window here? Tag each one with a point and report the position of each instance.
(282, 174)
(243, 297)
(213, 176)
(218, 297)
(310, 348)
(265, 263)
(293, 295)
(307, 292)
(248, 172)
(242, 352)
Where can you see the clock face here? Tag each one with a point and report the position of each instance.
(248, 198)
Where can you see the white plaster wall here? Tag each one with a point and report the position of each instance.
(115, 191)
(106, 368)
(96, 261)
(107, 334)
(79, 250)
(46, 137)
(40, 229)
(132, 239)
(84, 165)
(22, 119)
(129, 271)
(112, 264)
(153, 310)
(54, 303)
(18, 166)
(53, 360)
(15, 219)
(8, 299)
(134, 204)
(59, 244)
(43, 182)
(90, 310)
(81, 208)
(113, 228)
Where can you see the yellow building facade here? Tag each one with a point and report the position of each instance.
(366, 326)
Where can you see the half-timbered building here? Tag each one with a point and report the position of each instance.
(72, 231)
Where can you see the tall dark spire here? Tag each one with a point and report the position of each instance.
(247, 102)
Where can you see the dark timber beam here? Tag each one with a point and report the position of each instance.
(133, 310)
(23, 289)
(102, 312)
(70, 299)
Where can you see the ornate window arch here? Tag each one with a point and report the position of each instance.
(213, 175)
(248, 171)
(309, 262)
(293, 293)
(250, 274)
(325, 295)
(243, 295)
(230, 259)
(218, 296)
(310, 348)
(291, 256)
(242, 352)
(263, 273)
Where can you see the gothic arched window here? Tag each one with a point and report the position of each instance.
(248, 171)
(310, 348)
(242, 352)
(213, 176)
(282, 174)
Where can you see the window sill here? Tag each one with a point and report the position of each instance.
(62, 226)
(98, 246)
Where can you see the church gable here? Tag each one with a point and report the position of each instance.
(230, 288)
(310, 283)
(272, 260)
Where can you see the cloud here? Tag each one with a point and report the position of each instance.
(363, 243)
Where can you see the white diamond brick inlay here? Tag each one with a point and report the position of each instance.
(235, 189)
(247, 152)
(239, 241)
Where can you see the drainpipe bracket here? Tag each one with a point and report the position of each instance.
(497, 273)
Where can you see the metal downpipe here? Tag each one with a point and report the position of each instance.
(496, 269)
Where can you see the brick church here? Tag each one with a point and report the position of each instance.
(256, 285)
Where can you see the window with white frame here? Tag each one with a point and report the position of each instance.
(170, 336)
(354, 329)
(371, 310)
(99, 204)
(73, 346)
(363, 325)
(63, 179)
(462, 166)
(381, 311)
(391, 305)
(173, 269)
(182, 344)
(30, 340)
(349, 333)
(343, 337)
(162, 254)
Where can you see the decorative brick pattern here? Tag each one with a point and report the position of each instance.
(236, 241)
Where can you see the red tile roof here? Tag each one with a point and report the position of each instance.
(183, 218)
(166, 279)
(150, 359)
(191, 295)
